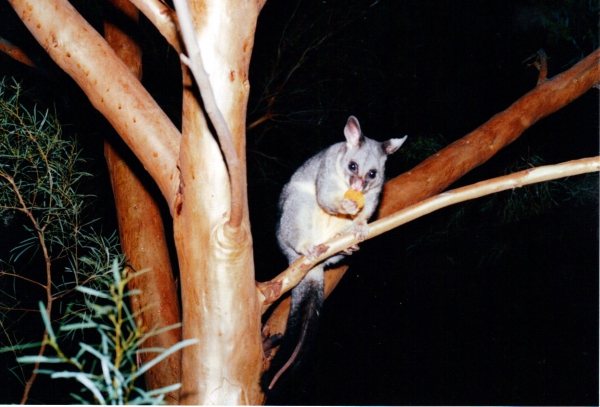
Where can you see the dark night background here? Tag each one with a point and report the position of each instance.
(494, 301)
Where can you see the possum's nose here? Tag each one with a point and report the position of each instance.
(357, 183)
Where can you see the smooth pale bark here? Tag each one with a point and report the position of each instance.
(141, 229)
(111, 87)
(164, 19)
(220, 306)
(193, 60)
(443, 168)
(219, 296)
(488, 187)
(483, 188)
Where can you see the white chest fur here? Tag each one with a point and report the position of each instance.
(316, 224)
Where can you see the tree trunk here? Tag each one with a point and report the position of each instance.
(109, 84)
(141, 230)
(219, 297)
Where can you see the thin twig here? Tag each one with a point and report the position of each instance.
(542, 65)
(4, 273)
(315, 44)
(47, 286)
(19, 309)
(260, 120)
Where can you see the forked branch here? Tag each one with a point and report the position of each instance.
(83, 54)
(194, 62)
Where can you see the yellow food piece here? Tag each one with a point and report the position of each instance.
(355, 196)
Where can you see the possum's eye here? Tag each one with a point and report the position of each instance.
(353, 166)
(372, 174)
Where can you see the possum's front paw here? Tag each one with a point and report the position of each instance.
(360, 230)
(349, 206)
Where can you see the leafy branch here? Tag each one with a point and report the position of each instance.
(39, 175)
(109, 370)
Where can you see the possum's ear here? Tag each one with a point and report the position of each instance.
(352, 132)
(393, 144)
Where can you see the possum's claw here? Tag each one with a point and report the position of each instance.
(351, 249)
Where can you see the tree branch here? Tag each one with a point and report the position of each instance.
(542, 66)
(6, 273)
(141, 230)
(271, 96)
(443, 168)
(289, 278)
(15, 52)
(194, 61)
(47, 287)
(81, 52)
(164, 19)
(449, 164)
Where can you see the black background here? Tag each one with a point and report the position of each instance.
(464, 306)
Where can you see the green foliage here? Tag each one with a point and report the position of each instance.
(52, 246)
(58, 259)
(37, 169)
(108, 370)
(39, 174)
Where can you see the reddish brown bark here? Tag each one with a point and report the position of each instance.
(15, 52)
(278, 319)
(143, 242)
(440, 170)
(141, 230)
(221, 306)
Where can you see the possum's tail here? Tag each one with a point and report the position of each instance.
(307, 300)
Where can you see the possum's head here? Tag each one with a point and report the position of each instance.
(364, 159)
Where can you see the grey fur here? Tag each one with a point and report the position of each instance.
(314, 210)
(316, 193)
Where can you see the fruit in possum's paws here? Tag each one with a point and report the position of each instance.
(355, 196)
